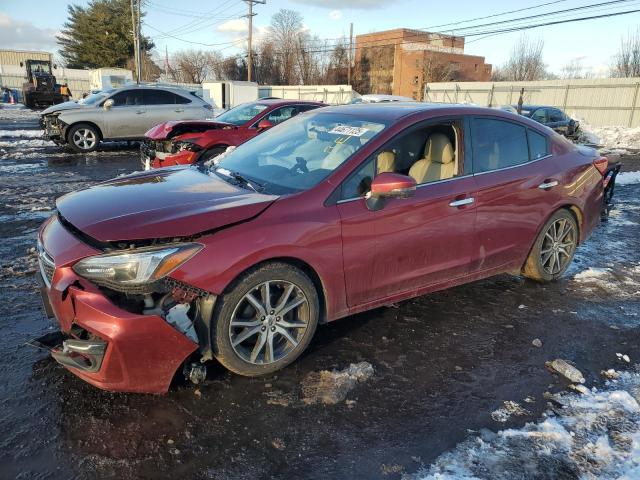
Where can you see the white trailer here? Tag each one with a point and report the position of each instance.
(229, 93)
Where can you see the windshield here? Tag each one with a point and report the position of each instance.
(41, 67)
(242, 113)
(95, 98)
(298, 154)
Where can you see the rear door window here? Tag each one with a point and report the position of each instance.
(158, 97)
(538, 145)
(497, 144)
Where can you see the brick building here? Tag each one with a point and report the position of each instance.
(401, 61)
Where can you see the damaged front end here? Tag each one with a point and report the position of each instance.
(126, 325)
(53, 127)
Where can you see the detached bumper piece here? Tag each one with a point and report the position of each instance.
(609, 182)
(86, 355)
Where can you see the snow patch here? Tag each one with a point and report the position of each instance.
(508, 409)
(613, 139)
(21, 133)
(628, 178)
(593, 435)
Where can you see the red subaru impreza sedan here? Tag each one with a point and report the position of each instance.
(183, 142)
(337, 211)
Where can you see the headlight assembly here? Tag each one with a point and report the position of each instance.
(135, 267)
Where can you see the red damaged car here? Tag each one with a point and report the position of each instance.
(341, 210)
(187, 141)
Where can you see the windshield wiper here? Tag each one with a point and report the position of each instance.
(238, 178)
(246, 181)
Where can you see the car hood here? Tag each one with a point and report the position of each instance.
(167, 130)
(165, 203)
(62, 106)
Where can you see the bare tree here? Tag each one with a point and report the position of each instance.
(194, 66)
(626, 63)
(575, 69)
(525, 62)
(284, 31)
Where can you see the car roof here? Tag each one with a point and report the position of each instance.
(131, 86)
(286, 101)
(395, 110)
(534, 107)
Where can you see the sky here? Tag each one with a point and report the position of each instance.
(26, 24)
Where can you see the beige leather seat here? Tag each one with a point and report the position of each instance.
(386, 162)
(438, 162)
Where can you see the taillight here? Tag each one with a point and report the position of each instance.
(601, 164)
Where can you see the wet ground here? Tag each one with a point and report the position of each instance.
(442, 363)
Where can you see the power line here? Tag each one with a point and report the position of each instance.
(497, 14)
(193, 42)
(203, 18)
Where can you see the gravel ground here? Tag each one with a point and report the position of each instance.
(444, 365)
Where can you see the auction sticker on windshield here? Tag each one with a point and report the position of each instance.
(351, 131)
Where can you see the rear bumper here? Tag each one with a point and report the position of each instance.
(108, 347)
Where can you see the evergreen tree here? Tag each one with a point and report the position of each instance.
(99, 35)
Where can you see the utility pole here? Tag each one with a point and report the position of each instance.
(134, 25)
(139, 43)
(250, 16)
(350, 53)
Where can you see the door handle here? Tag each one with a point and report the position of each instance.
(140, 112)
(462, 202)
(546, 185)
(179, 110)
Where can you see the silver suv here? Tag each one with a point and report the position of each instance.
(121, 114)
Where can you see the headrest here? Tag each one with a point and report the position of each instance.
(386, 161)
(439, 149)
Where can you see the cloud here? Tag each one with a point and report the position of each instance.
(234, 26)
(335, 14)
(21, 35)
(346, 4)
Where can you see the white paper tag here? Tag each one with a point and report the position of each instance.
(351, 131)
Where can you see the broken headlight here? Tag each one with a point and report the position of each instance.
(185, 145)
(135, 267)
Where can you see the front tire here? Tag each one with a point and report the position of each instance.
(266, 320)
(554, 248)
(83, 138)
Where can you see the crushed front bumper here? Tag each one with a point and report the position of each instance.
(110, 348)
(159, 154)
(52, 127)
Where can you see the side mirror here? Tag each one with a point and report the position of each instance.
(108, 104)
(389, 185)
(264, 124)
(22, 64)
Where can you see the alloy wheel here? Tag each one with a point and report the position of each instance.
(84, 138)
(269, 322)
(558, 246)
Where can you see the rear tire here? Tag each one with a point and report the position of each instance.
(253, 336)
(554, 248)
(83, 138)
